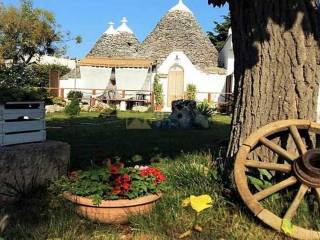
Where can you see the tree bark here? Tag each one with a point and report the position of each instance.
(277, 53)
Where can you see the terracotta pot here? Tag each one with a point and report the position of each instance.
(157, 108)
(112, 211)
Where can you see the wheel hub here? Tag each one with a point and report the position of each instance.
(307, 168)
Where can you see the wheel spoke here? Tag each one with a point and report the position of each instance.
(297, 139)
(296, 202)
(277, 149)
(275, 188)
(269, 166)
(318, 193)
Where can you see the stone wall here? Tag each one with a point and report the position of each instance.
(27, 166)
(180, 31)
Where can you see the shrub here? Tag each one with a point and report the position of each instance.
(34, 75)
(59, 101)
(73, 108)
(205, 108)
(75, 94)
(158, 90)
(191, 92)
(19, 94)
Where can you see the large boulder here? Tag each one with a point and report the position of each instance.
(28, 166)
(184, 115)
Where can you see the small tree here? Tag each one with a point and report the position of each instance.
(191, 92)
(27, 32)
(75, 94)
(73, 108)
(158, 90)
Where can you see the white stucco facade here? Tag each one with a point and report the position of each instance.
(141, 79)
(226, 56)
(98, 78)
(205, 82)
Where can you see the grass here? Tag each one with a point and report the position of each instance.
(93, 139)
(181, 154)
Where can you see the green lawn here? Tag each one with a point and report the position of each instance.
(179, 153)
(93, 139)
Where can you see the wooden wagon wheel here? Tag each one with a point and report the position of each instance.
(303, 170)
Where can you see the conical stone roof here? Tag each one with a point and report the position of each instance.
(115, 44)
(179, 30)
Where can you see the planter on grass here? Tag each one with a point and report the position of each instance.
(158, 107)
(112, 211)
(22, 122)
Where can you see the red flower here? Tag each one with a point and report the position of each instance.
(122, 184)
(126, 177)
(116, 190)
(118, 180)
(126, 186)
(153, 172)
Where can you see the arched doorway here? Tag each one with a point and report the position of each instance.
(175, 84)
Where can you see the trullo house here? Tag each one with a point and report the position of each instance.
(177, 49)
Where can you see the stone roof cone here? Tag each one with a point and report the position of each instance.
(116, 43)
(179, 30)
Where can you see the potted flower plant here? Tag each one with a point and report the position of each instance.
(158, 93)
(112, 194)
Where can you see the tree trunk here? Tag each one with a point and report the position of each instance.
(276, 63)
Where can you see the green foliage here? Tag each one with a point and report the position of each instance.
(58, 101)
(220, 33)
(41, 72)
(36, 34)
(158, 90)
(34, 75)
(218, 3)
(27, 32)
(75, 94)
(93, 183)
(73, 108)
(111, 183)
(205, 108)
(17, 94)
(191, 92)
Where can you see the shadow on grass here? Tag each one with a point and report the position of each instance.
(93, 139)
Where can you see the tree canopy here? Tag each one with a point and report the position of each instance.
(220, 33)
(26, 32)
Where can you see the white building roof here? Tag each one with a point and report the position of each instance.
(124, 26)
(111, 30)
(180, 7)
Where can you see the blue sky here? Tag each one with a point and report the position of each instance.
(89, 18)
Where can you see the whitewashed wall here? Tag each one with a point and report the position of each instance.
(205, 82)
(99, 77)
(226, 56)
(133, 79)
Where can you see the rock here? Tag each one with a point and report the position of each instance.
(100, 106)
(140, 109)
(201, 121)
(184, 115)
(85, 108)
(28, 166)
(54, 108)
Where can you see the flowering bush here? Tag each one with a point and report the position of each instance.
(113, 182)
